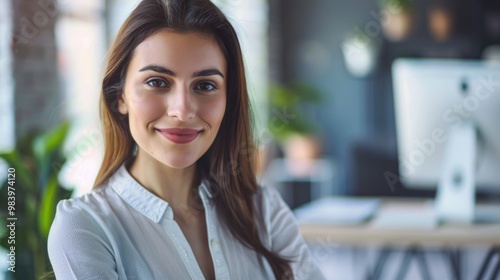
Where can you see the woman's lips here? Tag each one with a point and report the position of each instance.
(180, 135)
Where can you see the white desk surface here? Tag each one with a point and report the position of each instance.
(369, 233)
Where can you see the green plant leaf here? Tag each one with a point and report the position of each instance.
(396, 4)
(48, 206)
(308, 94)
(44, 145)
(23, 174)
(4, 240)
(287, 103)
(37, 160)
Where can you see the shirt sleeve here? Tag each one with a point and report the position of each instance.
(285, 237)
(78, 247)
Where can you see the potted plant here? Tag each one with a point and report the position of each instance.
(398, 18)
(291, 127)
(37, 160)
(360, 53)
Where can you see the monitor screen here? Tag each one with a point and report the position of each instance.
(431, 98)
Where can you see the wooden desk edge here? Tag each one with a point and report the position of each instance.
(366, 235)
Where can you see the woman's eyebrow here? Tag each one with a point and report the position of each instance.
(159, 69)
(163, 70)
(208, 72)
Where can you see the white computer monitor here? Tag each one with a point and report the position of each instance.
(448, 128)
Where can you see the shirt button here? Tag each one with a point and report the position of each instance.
(215, 243)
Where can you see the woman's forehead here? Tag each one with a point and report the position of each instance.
(179, 52)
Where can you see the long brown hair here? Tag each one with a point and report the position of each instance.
(228, 162)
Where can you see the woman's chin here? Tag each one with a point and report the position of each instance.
(178, 163)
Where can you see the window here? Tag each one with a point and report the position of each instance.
(7, 141)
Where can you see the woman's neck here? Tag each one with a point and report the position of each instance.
(172, 185)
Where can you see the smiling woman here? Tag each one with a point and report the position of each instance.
(176, 195)
(175, 98)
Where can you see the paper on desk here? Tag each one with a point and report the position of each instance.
(406, 217)
(337, 210)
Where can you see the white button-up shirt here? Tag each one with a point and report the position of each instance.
(123, 231)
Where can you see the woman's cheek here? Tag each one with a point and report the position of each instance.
(215, 110)
(148, 107)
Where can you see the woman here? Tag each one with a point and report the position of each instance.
(176, 195)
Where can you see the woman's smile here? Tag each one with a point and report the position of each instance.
(180, 135)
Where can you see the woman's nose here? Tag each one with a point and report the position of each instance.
(180, 104)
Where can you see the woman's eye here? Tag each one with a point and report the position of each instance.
(156, 83)
(206, 86)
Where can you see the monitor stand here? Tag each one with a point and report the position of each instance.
(455, 196)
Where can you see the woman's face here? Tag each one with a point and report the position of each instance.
(175, 96)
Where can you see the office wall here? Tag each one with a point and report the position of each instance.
(306, 38)
(311, 36)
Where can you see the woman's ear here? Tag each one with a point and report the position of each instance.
(122, 104)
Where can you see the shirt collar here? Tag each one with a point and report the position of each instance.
(145, 201)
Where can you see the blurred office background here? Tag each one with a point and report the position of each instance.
(333, 56)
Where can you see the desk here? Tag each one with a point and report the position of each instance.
(369, 233)
(443, 236)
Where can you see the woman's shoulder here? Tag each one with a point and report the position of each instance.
(270, 204)
(83, 217)
(83, 210)
(90, 200)
(267, 195)
(81, 236)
